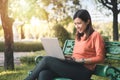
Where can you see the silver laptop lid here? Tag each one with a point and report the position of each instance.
(52, 47)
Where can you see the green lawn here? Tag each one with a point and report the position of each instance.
(19, 73)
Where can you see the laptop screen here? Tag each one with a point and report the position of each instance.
(52, 47)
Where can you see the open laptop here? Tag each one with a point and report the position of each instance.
(52, 47)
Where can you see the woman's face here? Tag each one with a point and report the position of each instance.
(80, 25)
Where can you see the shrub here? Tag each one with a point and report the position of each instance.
(30, 59)
(24, 46)
(61, 33)
(27, 60)
(2, 46)
(27, 46)
(106, 38)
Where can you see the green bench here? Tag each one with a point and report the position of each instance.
(112, 52)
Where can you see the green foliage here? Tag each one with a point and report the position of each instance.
(30, 59)
(24, 46)
(27, 46)
(27, 60)
(76, 2)
(66, 21)
(2, 46)
(113, 62)
(106, 38)
(25, 9)
(61, 33)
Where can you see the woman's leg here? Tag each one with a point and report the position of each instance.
(63, 68)
(68, 69)
(47, 75)
(39, 67)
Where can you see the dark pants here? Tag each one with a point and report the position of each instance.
(49, 68)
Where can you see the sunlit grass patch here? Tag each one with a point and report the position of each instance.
(94, 77)
(19, 73)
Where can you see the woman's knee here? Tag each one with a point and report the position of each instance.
(46, 75)
(46, 58)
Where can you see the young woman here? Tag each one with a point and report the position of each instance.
(88, 51)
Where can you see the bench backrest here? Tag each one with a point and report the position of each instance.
(112, 49)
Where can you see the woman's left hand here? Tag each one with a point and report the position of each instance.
(82, 60)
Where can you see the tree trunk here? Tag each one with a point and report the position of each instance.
(115, 27)
(115, 21)
(8, 35)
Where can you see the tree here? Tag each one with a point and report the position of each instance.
(113, 6)
(60, 9)
(8, 35)
(23, 11)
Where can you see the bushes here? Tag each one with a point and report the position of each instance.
(2, 46)
(24, 46)
(27, 46)
(106, 38)
(61, 33)
(30, 59)
(27, 60)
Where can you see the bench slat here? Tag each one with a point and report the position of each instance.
(112, 47)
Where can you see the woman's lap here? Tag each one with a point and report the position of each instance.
(67, 68)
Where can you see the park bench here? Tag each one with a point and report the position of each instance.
(112, 52)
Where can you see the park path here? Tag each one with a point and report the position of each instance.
(17, 56)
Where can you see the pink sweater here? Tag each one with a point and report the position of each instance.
(92, 48)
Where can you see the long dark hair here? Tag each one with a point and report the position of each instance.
(85, 16)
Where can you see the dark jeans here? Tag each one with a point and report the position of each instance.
(49, 68)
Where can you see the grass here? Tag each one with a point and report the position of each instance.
(94, 77)
(21, 71)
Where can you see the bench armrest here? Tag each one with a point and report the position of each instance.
(37, 59)
(107, 71)
(113, 73)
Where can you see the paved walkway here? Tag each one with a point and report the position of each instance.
(17, 56)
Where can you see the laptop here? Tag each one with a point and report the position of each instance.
(52, 47)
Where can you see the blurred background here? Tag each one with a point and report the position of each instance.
(34, 19)
(24, 22)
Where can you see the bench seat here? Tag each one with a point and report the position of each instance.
(100, 70)
(112, 52)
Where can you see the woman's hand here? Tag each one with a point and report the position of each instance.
(69, 57)
(82, 60)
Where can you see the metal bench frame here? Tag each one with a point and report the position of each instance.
(112, 52)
